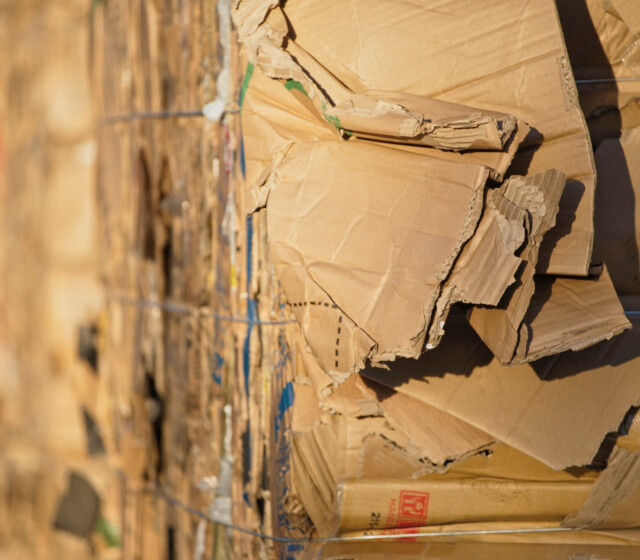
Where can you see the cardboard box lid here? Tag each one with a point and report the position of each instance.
(557, 409)
(525, 73)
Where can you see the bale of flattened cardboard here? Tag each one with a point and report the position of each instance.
(361, 446)
(380, 215)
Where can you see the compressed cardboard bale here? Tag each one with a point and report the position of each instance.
(557, 409)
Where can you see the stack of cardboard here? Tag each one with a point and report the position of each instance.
(466, 358)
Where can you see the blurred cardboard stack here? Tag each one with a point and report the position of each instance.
(468, 351)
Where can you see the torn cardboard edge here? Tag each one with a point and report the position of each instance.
(570, 314)
(345, 223)
(614, 501)
(521, 208)
(435, 436)
(545, 408)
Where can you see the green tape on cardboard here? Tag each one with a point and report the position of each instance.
(109, 533)
(245, 83)
(335, 121)
(295, 84)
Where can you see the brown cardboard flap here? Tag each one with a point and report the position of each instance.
(346, 224)
(378, 114)
(557, 409)
(562, 314)
(569, 314)
(538, 198)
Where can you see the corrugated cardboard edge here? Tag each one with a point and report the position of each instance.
(499, 327)
(576, 336)
(614, 501)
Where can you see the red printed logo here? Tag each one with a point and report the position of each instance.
(412, 509)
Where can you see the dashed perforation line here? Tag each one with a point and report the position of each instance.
(329, 305)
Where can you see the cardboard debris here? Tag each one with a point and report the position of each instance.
(562, 314)
(437, 437)
(545, 409)
(533, 202)
(334, 261)
(530, 77)
(392, 196)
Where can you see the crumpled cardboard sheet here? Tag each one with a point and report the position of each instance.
(520, 209)
(345, 235)
(557, 409)
(526, 74)
(435, 436)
